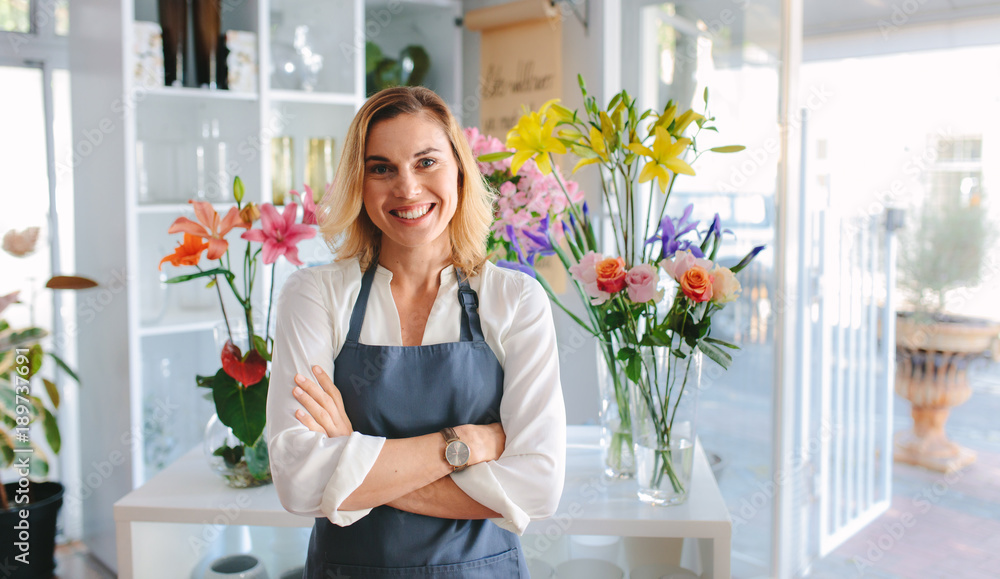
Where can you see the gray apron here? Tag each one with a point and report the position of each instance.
(401, 392)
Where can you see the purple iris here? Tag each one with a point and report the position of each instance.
(715, 230)
(540, 240)
(516, 266)
(670, 233)
(747, 259)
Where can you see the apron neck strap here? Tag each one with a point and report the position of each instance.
(471, 328)
(360, 306)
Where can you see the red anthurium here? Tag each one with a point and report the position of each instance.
(246, 370)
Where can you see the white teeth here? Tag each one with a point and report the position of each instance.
(414, 213)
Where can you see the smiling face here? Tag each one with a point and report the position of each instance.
(410, 184)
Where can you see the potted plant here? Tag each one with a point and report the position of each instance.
(234, 437)
(29, 506)
(942, 253)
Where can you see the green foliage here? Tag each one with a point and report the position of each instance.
(239, 407)
(23, 414)
(943, 248)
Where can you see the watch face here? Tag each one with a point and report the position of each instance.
(457, 453)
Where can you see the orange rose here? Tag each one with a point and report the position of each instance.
(697, 284)
(611, 275)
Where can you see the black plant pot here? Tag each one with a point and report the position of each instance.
(39, 536)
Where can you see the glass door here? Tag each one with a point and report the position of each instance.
(731, 49)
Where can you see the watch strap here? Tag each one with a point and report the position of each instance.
(449, 434)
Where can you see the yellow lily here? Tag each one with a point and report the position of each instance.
(685, 119)
(664, 157)
(596, 147)
(533, 136)
(665, 119)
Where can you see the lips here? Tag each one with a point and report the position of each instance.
(412, 212)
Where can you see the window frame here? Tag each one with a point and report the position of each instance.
(39, 47)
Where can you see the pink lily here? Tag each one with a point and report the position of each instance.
(308, 206)
(210, 227)
(279, 233)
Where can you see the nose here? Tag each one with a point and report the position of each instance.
(407, 186)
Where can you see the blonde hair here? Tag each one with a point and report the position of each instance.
(346, 226)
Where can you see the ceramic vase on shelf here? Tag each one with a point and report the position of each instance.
(241, 465)
(282, 163)
(206, 16)
(173, 23)
(616, 429)
(664, 404)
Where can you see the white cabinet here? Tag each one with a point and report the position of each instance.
(141, 153)
(186, 516)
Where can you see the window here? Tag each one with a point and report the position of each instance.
(15, 16)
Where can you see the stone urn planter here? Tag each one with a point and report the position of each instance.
(932, 362)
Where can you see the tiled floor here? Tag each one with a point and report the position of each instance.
(74, 562)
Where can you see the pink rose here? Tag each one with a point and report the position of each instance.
(20, 243)
(682, 261)
(725, 286)
(585, 272)
(641, 281)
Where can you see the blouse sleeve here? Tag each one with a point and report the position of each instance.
(312, 473)
(526, 482)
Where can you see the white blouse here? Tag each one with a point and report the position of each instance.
(313, 473)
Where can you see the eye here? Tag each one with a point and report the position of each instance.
(378, 169)
(425, 163)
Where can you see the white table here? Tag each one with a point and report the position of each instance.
(171, 524)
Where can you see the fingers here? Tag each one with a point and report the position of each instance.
(307, 420)
(334, 393)
(316, 402)
(323, 403)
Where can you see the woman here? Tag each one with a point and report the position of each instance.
(415, 407)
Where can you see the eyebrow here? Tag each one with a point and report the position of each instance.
(417, 154)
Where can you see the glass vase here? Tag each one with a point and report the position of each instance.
(616, 430)
(241, 465)
(664, 404)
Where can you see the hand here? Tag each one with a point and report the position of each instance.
(486, 442)
(324, 407)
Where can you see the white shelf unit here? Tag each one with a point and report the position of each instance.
(142, 154)
(187, 505)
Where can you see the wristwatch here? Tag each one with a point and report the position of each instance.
(456, 452)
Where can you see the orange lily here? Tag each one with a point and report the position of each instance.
(186, 253)
(211, 227)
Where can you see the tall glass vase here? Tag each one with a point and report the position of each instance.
(664, 404)
(241, 465)
(616, 428)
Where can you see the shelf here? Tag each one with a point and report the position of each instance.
(376, 4)
(178, 208)
(179, 322)
(183, 92)
(328, 98)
